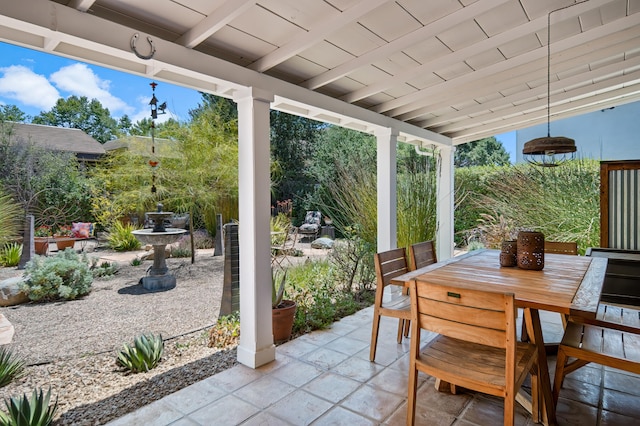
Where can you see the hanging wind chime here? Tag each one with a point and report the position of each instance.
(155, 110)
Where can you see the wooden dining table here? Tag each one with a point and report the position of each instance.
(569, 285)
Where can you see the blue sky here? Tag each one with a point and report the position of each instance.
(34, 81)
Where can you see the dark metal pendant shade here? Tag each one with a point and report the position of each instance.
(549, 151)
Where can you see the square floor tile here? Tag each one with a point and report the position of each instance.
(339, 416)
(484, 409)
(332, 387)
(325, 358)
(234, 378)
(357, 369)
(264, 392)
(300, 408)
(372, 402)
(195, 396)
(627, 383)
(575, 413)
(297, 373)
(621, 403)
(155, 414)
(229, 410)
(347, 345)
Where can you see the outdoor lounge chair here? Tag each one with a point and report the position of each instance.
(311, 225)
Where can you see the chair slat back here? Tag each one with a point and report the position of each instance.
(422, 254)
(476, 316)
(389, 264)
(557, 247)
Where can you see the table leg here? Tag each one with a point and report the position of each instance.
(532, 318)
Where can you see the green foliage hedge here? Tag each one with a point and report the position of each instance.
(561, 202)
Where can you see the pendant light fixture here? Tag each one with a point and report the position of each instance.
(549, 151)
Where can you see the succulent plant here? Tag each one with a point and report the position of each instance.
(10, 367)
(144, 355)
(25, 411)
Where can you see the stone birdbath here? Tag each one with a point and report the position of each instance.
(159, 277)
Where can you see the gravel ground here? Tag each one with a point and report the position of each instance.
(71, 346)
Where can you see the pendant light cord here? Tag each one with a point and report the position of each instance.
(549, 62)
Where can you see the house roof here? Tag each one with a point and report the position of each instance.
(55, 138)
(447, 71)
(141, 145)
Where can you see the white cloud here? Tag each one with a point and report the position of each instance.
(28, 88)
(78, 79)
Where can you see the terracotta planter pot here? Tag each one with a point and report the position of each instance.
(282, 321)
(64, 242)
(41, 244)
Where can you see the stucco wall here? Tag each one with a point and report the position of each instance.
(611, 134)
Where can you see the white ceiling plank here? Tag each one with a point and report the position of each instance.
(81, 5)
(587, 53)
(590, 90)
(220, 17)
(314, 36)
(403, 42)
(417, 99)
(520, 122)
(460, 55)
(109, 38)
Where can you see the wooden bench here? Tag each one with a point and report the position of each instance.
(612, 339)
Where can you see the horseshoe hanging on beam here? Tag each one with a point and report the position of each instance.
(134, 40)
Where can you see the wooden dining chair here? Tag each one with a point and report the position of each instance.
(391, 300)
(476, 346)
(613, 345)
(422, 254)
(554, 247)
(557, 247)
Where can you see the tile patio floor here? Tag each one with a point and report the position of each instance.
(325, 378)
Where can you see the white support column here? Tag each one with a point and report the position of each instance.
(387, 189)
(256, 346)
(444, 233)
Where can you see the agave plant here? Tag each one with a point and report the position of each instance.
(144, 355)
(25, 411)
(10, 367)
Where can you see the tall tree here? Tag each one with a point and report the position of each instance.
(293, 141)
(12, 113)
(484, 152)
(80, 113)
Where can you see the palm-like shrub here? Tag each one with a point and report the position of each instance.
(66, 275)
(10, 367)
(29, 411)
(10, 254)
(120, 237)
(11, 217)
(144, 355)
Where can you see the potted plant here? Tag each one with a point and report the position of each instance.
(64, 237)
(282, 310)
(41, 239)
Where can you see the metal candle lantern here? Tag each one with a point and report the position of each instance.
(508, 255)
(530, 250)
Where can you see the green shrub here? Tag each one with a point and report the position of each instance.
(10, 254)
(181, 250)
(321, 299)
(226, 332)
(136, 261)
(103, 269)
(25, 411)
(120, 237)
(144, 355)
(10, 367)
(66, 275)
